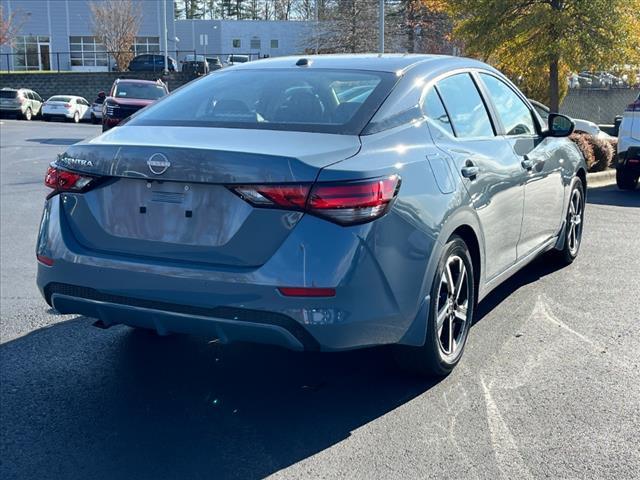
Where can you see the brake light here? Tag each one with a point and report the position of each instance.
(346, 203)
(66, 181)
(67, 105)
(633, 107)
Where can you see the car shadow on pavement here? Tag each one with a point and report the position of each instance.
(614, 196)
(538, 268)
(78, 402)
(55, 141)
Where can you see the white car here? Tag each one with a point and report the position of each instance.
(68, 107)
(628, 162)
(581, 125)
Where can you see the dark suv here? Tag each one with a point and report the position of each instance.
(152, 63)
(127, 97)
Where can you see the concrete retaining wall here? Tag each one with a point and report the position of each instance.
(84, 84)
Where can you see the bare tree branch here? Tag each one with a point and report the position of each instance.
(116, 24)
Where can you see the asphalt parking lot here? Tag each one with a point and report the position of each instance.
(548, 387)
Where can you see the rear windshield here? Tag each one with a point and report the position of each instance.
(306, 100)
(8, 94)
(59, 98)
(139, 91)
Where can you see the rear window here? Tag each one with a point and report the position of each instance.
(307, 100)
(139, 91)
(59, 98)
(8, 94)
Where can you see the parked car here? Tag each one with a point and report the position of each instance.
(238, 210)
(20, 102)
(233, 59)
(127, 96)
(96, 108)
(152, 63)
(196, 64)
(214, 63)
(628, 161)
(580, 125)
(66, 107)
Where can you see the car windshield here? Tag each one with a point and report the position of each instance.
(141, 91)
(59, 98)
(318, 100)
(8, 94)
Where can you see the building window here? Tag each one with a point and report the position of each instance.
(274, 43)
(31, 52)
(255, 43)
(87, 52)
(146, 45)
(236, 43)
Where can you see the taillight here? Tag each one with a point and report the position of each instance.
(634, 107)
(346, 203)
(66, 181)
(67, 105)
(20, 99)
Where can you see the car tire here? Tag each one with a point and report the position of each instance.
(451, 310)
(94, 120)
(626, 180)
(574, 224)
(104, 127)
(28, 114)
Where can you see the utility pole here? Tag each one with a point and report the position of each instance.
(164, 37)
(381, 27)
(316, 26)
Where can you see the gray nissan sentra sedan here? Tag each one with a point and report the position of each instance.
(321, 203)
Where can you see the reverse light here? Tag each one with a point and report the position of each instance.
(66, 181)
(346, 203)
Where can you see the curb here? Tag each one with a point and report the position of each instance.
(601, 179)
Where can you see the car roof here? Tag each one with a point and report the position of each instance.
(397, 63)
(135, 80)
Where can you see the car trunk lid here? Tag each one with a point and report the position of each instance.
(165, 195)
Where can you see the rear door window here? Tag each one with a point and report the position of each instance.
(514, 114)
(466, 109)
(434, 109)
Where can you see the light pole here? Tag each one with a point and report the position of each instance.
(164, 37)
(381, 27)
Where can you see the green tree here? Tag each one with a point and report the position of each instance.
(541, 40)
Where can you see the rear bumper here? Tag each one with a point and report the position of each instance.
(629, 160)
(379, 277)
(226, 324)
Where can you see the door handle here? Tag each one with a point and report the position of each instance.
(527, 163)
(470, 170)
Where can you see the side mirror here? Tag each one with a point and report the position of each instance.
(560, 125)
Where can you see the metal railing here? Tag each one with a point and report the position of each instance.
(101, 61)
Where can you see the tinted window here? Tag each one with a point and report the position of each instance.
(514, 114)
(59, 98)
(139, 90)
(465, 106)
(8, 94)
(434, 109)
(318, 100)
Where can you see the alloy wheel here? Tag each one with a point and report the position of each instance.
(76, 117)
(574, 233)
(27, 114)
(453, 306)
